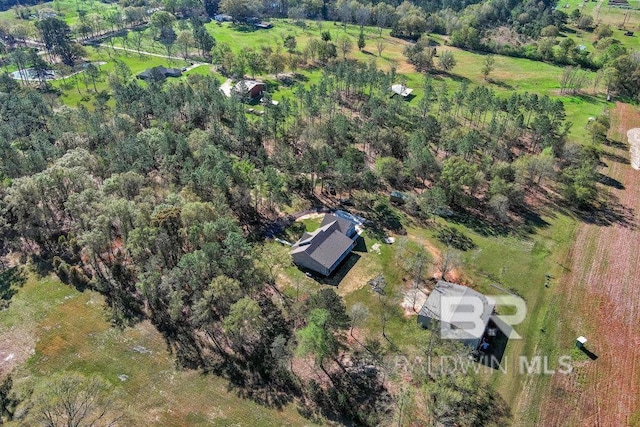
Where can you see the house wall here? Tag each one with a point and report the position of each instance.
(302, 259)
(256, 91)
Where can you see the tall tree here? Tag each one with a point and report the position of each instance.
(361, 40)
(56, 36)
(487, 66)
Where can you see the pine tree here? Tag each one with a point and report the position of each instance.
(361, 41)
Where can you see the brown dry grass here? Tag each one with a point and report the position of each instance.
(602, 292)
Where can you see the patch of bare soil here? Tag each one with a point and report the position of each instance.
(602, 294)
(506, 36)
(16, 345)
(413, 300)
(454, 275)
(633, 135)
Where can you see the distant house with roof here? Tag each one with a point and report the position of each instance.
(401, 90)
(325, 248)
(159, 72)
(221, 17)
(263, 25)
(436, 309)
(251, 88)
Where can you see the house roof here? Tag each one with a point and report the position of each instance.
(166, 72)
(432, 307)
(248, 84)
(326, 244)
(343, 224)
(401, 90)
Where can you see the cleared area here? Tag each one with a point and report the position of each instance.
(633, 136)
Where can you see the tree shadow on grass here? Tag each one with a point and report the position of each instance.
(244, 28)
(10, 279)
(615, 157)
(455, 77)
(608, 212)
(614, 144)
(610, 182)
(501, 84)
(481, 225)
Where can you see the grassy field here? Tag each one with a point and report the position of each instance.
(64, 9)
(77, 89)
(602, 12)
(71, 333)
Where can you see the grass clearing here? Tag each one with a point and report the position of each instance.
(65, 9)
(72, 333)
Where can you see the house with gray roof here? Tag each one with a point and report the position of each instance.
(159, 72)
(325, 248)
(447, 302)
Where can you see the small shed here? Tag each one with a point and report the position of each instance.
(401, 90)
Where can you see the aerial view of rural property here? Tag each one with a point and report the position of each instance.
(259, 213)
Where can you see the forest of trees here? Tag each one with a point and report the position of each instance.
(158, 203)
(159, 199)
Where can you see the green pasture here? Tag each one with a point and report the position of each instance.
(65, 9)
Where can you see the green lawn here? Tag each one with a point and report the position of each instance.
(71, 333)
(65, 9)
(77, 89)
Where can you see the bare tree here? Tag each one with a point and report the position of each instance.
(71, 399)
(487, 66)
(573, 79)
(358, 314)
(380, 46)
(450, 261)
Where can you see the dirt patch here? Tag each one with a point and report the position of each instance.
(633, 136)
(16, 345)
(455, 275)
(602, 302)
(413, 300)
(311, 216)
